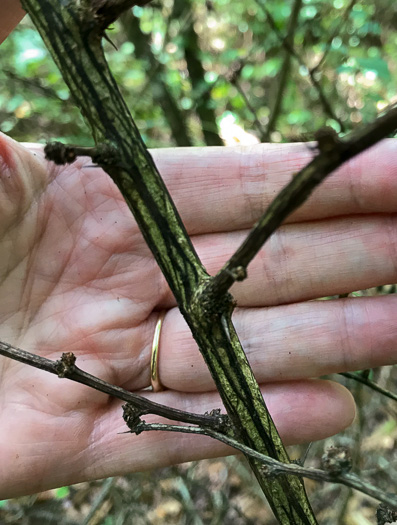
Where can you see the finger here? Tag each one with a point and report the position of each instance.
(225, 189)
(22, 178)
(11, 14)
(307, 260)
(101, 449)
(289, 342)
(331, 410)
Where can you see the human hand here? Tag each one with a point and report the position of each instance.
(76, 275)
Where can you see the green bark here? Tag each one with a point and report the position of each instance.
(70, 31)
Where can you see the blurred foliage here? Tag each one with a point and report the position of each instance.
(191, 70)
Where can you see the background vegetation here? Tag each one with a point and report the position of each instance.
(211, 73)
(190, 69)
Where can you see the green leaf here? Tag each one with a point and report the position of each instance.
(62, 492)
(377, 65)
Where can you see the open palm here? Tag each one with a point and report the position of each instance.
(76, 275)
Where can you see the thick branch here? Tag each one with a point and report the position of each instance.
(72, 33)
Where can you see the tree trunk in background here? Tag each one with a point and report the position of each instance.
(174, 115)
(202, 96)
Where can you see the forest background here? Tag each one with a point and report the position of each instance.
(219, 73)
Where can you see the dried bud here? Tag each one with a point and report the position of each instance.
(385, 515)
(60, 153)
(327, 139)
(65, 365)
(336, 461)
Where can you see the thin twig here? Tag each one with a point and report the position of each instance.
(103, 494)
(35, 86)
(157, 66)
(66, 368)
(284, 71)
(274, 467)
(335, 33)
(249, 106)
(332, 154)
(370, 384)
(287, 45)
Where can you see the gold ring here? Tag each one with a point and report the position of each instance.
(154, 360)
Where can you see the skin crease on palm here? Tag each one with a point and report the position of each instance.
(76, 275)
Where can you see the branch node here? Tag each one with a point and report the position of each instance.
(102, 154)
(238, 273)
(108, 11)
(132, 417)
(222, 422)
(328, 140)
(385, 515)
(337, 461)
(271, 471)
(60, 153)
(213, 302)
(66, 365)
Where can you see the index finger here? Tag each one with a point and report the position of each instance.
(220, 189)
